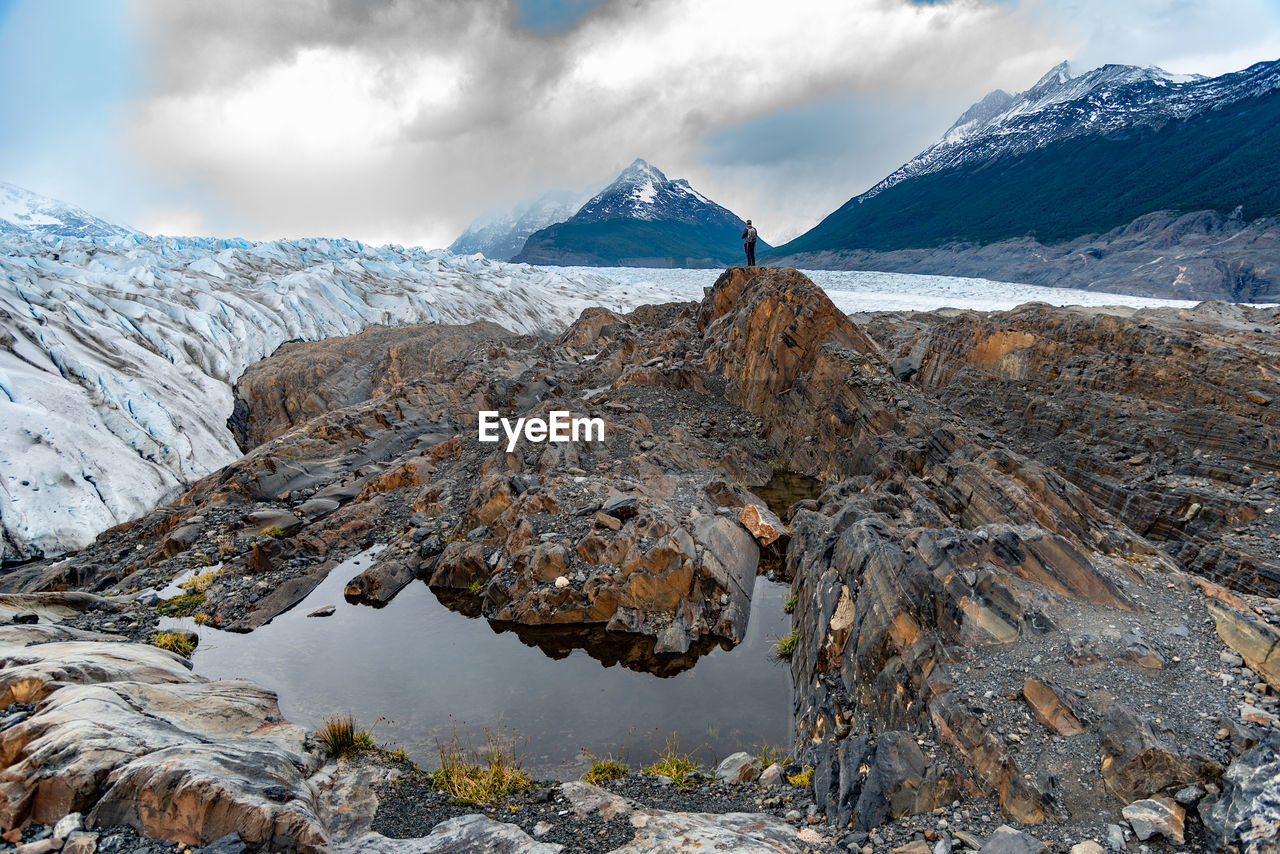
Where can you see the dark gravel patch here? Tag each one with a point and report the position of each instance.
(410, 807)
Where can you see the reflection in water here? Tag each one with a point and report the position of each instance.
(782, 491)
(785, 489)
(426, 668)
(634, 652)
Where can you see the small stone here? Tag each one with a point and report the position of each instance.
(918, 846)
(1087, 847)
(1006, 840)
(772, 776)
(324, 611)
(604, 520)
(942, 846)
(1156, 816)
(68, 824)
(542, 828)
(621, 507)
(13, 836)
(81, 843)
(1115, 837)
(562, 582)
(26, 618)
(792, 816)
(1189, 796)
(39, 846)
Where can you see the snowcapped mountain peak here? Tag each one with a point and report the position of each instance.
(1062, 105)
(640, 168)
(1052, 79)
(25, 212)
(642, 191)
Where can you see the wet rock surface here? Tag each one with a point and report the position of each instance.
(1033, 591)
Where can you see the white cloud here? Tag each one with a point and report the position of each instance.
(173, 221)
(404, 121)
(401, 121)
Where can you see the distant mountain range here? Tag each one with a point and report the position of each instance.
(25, 212)
(641, 219)
(1084, 160)
(501, 236)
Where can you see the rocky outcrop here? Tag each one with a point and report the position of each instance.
(994, 592)
(304, 379)
(941, 546)
(373, 439)
(126, 734)
(1161, 416)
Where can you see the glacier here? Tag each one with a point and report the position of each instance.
(120, 353)
(855, 291)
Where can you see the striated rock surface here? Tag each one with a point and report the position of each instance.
(1161, 416)
(126, 734)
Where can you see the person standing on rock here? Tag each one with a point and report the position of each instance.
(749, 243)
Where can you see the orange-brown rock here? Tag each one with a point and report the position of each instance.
(304, 379)
(763, 524)
(1051, 708)
(1257, 641)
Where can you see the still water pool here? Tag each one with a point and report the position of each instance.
(424, 669)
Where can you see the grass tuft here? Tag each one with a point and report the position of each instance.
(680, 768)
(769, 754)
(273, 531)
(200, 583)
(341, 737)
(786, 645)
(181, 606)
(468, 776)
(790, 605)
(604, 769)
(174, 642)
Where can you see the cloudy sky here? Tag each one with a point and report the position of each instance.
(402, 120)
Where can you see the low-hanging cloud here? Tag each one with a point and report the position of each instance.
(400, 121)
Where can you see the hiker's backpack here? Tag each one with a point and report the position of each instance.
(751, 234)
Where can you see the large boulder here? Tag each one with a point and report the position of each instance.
(126, 734)
(1246, 817)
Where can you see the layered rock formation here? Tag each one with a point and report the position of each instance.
(126, 734)
(1000, 592)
